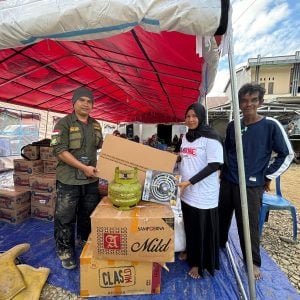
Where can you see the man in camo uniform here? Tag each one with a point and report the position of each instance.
(75, 141)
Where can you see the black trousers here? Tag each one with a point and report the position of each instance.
(74, 205)
(230, 202)
(202, 237)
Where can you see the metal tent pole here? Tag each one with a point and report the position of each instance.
(235, 270)
(241, 169)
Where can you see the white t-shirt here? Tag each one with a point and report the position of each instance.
(194, 157)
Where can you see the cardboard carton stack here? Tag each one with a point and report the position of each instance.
(49, 160)
(23, 170)
(37, 176)
(43, 196)
(127, 247)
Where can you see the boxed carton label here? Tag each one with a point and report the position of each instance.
(116, 277)
(28, 166)
(119, 152)
(42, 212)
(45, 183)
(15, 216)
(43, 199)
(13, 199)
(144, 233)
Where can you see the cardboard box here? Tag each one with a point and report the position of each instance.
(116, 277)
(50, 166)
(144, 233)
(15, 216)
(28, 166)
(21, 180)
(13, 199)
(43, 199)
(119, 152)
(42, 212)
(46, 153)
(44, 183)
(31, 152)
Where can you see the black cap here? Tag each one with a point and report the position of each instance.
(82, 92)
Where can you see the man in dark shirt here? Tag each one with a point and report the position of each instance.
(75, 141)
(261, 136)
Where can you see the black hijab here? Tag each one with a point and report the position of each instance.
(202, 129)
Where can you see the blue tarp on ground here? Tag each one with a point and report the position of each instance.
(175, 284)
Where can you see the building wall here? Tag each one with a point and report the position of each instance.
(278, 75)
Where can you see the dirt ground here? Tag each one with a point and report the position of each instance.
(290, 185)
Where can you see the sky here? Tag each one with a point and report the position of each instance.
(260, 27)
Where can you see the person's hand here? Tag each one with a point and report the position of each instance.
(183, 185)
(90, 171)
(267, 186)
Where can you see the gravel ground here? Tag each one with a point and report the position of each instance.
(283, 251)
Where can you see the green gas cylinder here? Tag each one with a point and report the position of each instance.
(125, 191)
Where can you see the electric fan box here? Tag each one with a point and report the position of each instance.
(144, 233)
(99, 277)
(126, 154)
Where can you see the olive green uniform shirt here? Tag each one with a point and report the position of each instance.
(81, 140)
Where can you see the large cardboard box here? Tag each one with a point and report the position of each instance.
(21, 180)
(43, 183)
(42, 212)
(46, 153)
(119, 152)
(28, 166)
(15, 216)
(144, 233)
(31, 152)
(14, 199)
(116, 277)
(43, 199)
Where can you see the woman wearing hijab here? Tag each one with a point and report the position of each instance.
(201, 155)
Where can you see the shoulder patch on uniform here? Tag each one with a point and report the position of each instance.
(55, 137)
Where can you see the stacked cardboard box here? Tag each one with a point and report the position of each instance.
(49, 160)
(43, 196)
(127, 248)
(14, 205)
(31, 175)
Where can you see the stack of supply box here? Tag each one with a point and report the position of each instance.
(37, 175)
(15, 201)
(43, 187)
(127, 247)
(126, 250)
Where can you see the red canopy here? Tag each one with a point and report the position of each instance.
(137, 76)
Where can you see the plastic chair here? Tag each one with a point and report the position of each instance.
(277, 202)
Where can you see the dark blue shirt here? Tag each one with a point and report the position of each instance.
(267, 152)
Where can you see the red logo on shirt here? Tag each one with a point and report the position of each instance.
(189, 151)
